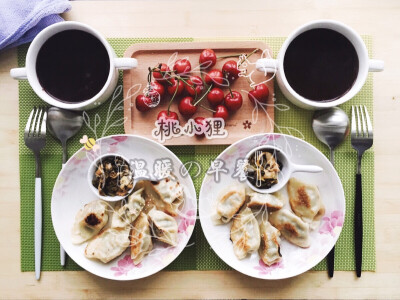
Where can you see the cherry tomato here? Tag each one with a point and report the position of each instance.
(161, 73)
(156, 89)
(195, 86)
(182, 66)
(260, 93)
(177, 85)
(233, 101)
(143, 103)
(215, 96)
(207, 58)
(221, 112)
(168, 117)
(186, 107)
(230, 70)
(201, 122)
(214, 77)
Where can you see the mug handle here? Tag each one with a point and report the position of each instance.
(125, 63)
(18, 73)
(376, 65)
(267, 65)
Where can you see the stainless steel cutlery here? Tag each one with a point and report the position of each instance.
(361, 140)
(63, 124)
(331, 126)
(35, 139)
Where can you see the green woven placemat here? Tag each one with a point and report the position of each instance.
(198, 255)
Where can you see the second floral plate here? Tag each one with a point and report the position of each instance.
(295, 260)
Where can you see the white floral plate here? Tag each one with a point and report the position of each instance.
(295, 260)
(71, 192)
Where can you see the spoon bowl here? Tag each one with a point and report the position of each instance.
(331, 126)
(63, 124)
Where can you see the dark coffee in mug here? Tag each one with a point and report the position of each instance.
(72, 66)
(321, 64)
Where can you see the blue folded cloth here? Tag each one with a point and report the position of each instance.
(22, 20)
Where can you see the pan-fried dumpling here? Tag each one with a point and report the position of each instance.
(89, 221)
(141, 243)
(166, 195)
(291, 227)
(270, 244)
(305, 201)
(170, 190)
(164, 227)
(245, 233)
(272, 201)
(124, 215)
(228, 203)
(108, 244)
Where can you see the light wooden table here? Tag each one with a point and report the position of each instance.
(162, 18)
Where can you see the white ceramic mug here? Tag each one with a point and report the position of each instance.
(365, 65)
(29, 72)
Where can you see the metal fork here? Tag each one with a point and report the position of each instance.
(361, 140)
(35, 139)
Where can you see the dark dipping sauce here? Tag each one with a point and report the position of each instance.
(259, 165)
(72, 66)
(113, 177)
(321, 64)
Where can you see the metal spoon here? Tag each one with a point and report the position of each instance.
(331, 126)
(63, 124)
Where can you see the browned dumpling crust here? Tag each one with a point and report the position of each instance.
(89, 221)
(270, 244)
(271, 201)
(305, 201)
(108, 244)
(291, 227)
(245, 233)
(228, 203)
(141, 242)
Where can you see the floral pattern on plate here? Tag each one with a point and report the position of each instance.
(124, 266)
(295, 260)
(70, 193)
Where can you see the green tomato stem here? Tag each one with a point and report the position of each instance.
(248, 55)
(173, 96)
(206, 108)
(230, 91)
(202, 97)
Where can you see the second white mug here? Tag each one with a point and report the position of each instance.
(365, 65)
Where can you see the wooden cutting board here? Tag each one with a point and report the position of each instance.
(239, 125)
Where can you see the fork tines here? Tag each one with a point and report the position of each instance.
(361, 126)
(36, 125)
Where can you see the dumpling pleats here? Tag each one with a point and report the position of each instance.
(245, 233)
(165, 195)
(125, 214)
(291, 227)
(272, 201)
(305, 201)
(270, 244)
(228, 203)
(108, 244)
(163, 227)
(141, 243)
(89, 221)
